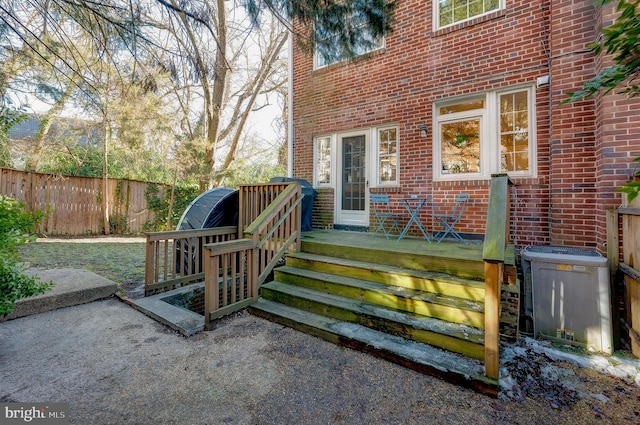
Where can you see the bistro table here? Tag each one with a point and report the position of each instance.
(414, 205)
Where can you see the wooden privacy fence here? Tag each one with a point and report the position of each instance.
(629, 271)
(625, 271)
(76, 202)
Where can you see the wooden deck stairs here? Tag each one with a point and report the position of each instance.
(418, 304)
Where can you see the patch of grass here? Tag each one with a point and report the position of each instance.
(121, 262)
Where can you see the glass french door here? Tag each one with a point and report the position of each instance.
(352, 202)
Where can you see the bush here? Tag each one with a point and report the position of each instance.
(17, 226)
(183, 196)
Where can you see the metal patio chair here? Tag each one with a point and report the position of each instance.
(449, 221)
(384, 216)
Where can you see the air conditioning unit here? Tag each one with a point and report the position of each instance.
(569, 296)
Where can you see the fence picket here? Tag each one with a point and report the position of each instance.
(76, 201)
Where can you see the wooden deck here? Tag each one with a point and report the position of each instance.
(408, 245)
(414, 253)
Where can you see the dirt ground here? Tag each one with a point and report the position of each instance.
(115, 365)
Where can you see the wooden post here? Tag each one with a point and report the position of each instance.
(493, 279)
(613, 240)
(149, 262)
(613, 256)
(211, 290)
(633, 286)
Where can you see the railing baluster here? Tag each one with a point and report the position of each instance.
(225, 279)
(176, 258)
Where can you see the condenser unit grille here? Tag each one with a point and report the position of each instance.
(570, 295)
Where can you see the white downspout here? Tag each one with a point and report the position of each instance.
(290, 134)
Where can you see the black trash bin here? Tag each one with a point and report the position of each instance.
(307, 200)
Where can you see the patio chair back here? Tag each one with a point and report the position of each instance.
(449, 221)
(386, 220)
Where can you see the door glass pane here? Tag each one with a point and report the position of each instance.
(353, 178)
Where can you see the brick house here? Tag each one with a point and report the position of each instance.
(487, 80)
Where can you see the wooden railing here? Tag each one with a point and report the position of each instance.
(235, 269)
(174, 259)
(255, 198)
(494, 254)
(276, 230)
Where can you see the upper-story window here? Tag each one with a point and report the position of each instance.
(449, 12)
(329, 49)
(492, 132)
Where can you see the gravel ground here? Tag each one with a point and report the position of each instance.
(116, 366)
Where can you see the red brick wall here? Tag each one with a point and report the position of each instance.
(573, 156)
(399, 84)
(618, 142)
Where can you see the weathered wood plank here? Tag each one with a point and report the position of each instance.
(438, 283)
(497, 230)
(432, 305)
(75, 201)
(633, 291)
(385, 348)
(493, 280)
(463, 340)
(613, 240)
(464, 260)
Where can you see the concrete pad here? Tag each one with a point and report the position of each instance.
(72, 287)
(184, 321)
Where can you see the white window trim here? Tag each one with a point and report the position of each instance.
(436, 15)
(489, 125)
(332, 159)
(375, 157)
(533, 156)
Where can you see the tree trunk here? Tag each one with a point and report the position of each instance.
(44, 127)
(214, 108)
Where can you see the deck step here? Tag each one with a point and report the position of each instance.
(438, 283)
(451, 309)
(461, 339)
(460, 260)
(448, 366)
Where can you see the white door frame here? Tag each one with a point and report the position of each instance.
(350, 216)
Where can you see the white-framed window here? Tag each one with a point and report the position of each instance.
(329, 50)
(449, 12)
(322, 154)
(484, 134)
(387, 152)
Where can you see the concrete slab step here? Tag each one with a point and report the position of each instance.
(72, 287)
